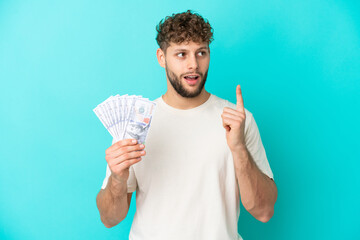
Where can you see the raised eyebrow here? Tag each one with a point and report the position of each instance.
(204, 48)
(186, 50)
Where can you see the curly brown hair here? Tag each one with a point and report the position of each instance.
(183, 27)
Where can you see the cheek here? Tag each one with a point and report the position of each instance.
(175, 66)
(205, 64)
(176, 71)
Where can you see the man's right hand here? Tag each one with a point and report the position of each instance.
(121, 155)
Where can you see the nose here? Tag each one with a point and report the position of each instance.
(192, 63)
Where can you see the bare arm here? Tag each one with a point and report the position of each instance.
(258, 192)
(113, 202)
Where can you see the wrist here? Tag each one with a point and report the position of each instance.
(239, 150)
(117, 185)
(117, 180)
(241, 157)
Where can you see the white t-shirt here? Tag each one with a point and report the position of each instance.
(186, 187)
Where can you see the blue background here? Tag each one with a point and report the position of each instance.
(298, 63)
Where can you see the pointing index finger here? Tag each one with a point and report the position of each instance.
(239, 99)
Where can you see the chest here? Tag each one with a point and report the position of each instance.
(184, 151)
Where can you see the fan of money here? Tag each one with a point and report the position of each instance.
(126, 116)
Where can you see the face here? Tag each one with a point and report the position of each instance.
(186, 66)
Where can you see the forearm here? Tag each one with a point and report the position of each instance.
(258, 192)
(112, 202)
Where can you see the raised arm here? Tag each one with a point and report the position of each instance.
(258, 192)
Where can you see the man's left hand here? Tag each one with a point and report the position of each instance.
(234, 123)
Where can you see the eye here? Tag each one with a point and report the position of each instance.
(202, 53)
(179, 54)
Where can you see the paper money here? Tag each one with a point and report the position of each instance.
(126, 116)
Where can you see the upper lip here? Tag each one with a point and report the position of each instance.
(196, 75)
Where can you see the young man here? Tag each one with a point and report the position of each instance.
(202, 155)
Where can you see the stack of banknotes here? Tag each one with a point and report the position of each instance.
(126, 116)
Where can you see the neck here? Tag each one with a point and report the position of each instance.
(173, 99)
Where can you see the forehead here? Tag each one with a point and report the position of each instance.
(187, 46)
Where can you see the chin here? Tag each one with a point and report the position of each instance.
(192, 94)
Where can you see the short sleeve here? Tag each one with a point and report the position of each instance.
(255, 146)
(131, 183)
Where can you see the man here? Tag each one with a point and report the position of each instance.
(202, 154)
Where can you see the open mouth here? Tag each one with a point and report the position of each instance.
(192, 79)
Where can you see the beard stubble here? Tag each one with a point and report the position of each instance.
(180, 89)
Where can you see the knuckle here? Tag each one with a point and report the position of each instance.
(122, 151)
(109, 157)
(129, 148)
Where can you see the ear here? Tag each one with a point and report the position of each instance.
(160, 57)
